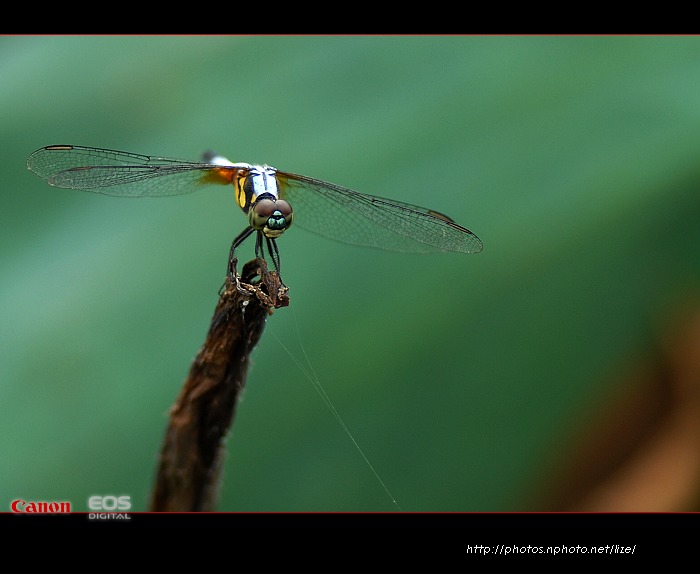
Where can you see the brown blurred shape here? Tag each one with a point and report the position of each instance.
(643, 452)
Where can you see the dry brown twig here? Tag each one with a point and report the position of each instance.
(192, 453)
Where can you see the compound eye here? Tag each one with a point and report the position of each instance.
(285, 210)
(264, 208)
(270, 216)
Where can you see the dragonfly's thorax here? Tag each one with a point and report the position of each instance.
(253, 182)
(257, 193)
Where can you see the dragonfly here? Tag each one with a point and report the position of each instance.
(264, 193)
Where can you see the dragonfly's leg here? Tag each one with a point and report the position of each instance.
(259, 251)
(274, 253)
(236, 242)
(275, 256)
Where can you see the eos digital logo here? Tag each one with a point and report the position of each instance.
(109, 507)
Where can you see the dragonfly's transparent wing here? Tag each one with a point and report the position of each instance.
(122, 173)
(331, 210)
(346, 215)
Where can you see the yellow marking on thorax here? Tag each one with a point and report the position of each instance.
(239, 187)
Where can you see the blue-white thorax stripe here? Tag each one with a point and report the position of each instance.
(251, 181)
(262, 179)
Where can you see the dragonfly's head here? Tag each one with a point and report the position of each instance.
(271, 216)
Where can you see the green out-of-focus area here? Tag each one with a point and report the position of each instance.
(470, 382)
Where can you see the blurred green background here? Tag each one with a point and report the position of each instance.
(460, 376)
